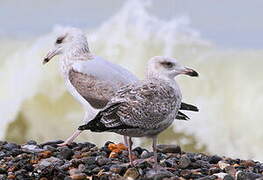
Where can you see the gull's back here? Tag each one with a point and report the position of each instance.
(97, 80)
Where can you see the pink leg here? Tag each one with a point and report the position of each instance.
(130, 150)
(71, 138)
(155, 152)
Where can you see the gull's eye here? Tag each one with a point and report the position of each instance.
(167, 64)
(59, 40)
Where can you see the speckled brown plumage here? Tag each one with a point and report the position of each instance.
(141, 109)
(97, 92)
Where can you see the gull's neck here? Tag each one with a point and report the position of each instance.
(162, 78)
(77, 54)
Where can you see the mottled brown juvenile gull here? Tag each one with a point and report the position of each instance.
(144, 108)
(89, 78)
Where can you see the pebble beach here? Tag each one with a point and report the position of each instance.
(80, 161)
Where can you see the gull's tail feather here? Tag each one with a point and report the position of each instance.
(188, 107)
(94, 125)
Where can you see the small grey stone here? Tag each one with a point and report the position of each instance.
(203, 163)
(131, 173)
(146, 154)
(68, 178)
(32, 148)
(247, 176)
(65, 166)
(208, 178)
(158, 174)
(184, 162)
(2, 154)
(31, 142)
(50, 148)
(11, 146)
(116, 169)
(228, 177)
(96, 170)
(65, 153)
(50, 161)
(103, 160)
(89, 160)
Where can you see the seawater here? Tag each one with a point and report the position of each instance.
(34, 103)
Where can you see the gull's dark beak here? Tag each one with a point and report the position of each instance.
(51, 54)
(46, 59)
(190, 72)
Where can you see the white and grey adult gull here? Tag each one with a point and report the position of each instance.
(144, 108)
(89, 78)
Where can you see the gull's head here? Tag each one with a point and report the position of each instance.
(71, 42)
(168, 67)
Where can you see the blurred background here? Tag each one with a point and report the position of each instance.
(221, 40)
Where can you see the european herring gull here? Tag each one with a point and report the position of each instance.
(144, 108)
(89, 78)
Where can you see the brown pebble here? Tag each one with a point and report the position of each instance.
(185, 173)
(45, 154)
(80, 176)
(113, 155)
(34, 161)
(131, 173)
(11, 176)
(231, 170)
(248, 163)
(11, 169)
(74, 171)
(236, 165)
(43, 178)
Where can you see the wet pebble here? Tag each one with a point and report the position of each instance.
(184, 162)
(214, 159)
(65, 153)
(32, 148)
(52, 161)
(131, 173)
(146, 154)
(103, 160)
(11, 146)
(158, 174)
(248, 176)
(168, 148)
(31, 142)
